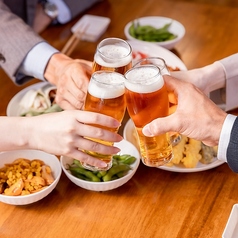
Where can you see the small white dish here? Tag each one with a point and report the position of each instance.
(129, 131)
(93, 27)
(157, 21)
(126, 148)
(51, 160)
(231, 229)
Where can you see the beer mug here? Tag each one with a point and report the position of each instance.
(147, 99)
(106, 95)
(160, 63)
(113, 54)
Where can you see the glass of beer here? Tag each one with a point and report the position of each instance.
(106, 95)
(113, 54)
(147, 99)
(160, 63)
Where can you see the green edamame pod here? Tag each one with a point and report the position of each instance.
(121, 157)
(122, 174)
(101, 173)
(115, 170)
(80, 176)
(129, 160)
(85, 172)
(77, 163)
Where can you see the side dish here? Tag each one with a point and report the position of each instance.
(150, 33)
(23, 177)
(120, 167)
(40, 101)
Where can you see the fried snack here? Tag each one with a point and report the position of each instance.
(208, 154)
(192, 153)
(24, 177)
(178, 150)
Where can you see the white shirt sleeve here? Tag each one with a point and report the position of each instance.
(225, 137)
(64, 12)
(36, 60)
(230, 65)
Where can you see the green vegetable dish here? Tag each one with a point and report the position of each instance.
(120, 167)
(150, 33)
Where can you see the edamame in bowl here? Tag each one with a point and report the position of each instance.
(163, 31)
(116, 177)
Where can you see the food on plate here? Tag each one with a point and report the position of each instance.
(189, 152)
(138, 55)
(120, 167)
(40, 101)
(150, 33)
(23, 177)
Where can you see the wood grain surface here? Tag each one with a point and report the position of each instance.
(154, 203)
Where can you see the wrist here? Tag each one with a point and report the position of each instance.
(54, 65)
(214, 76)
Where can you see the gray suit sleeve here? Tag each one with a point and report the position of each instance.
(16, 40)
(232, 150)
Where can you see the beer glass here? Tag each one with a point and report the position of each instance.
(106, 95)
(147, 99)
(160, 63)
(113, 54)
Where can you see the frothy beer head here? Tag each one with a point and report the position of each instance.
(144, 79)
(106, 85)
(113, 52)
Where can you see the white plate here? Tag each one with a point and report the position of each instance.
(157, 51)
(14, 108)
(128, 132)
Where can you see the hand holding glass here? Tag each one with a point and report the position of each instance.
(106, 95)
(147, 99)
(160, 63)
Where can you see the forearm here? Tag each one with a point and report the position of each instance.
(15, 133)
(230, 66)
(214, 76)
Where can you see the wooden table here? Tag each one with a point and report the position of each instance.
(154, 203)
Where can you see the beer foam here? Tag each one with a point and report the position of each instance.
(107, 85)
(115, 56)
(145, 79)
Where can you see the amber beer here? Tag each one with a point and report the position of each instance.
(113, 54)
(161, 64)
(106, 95)
(147, 99)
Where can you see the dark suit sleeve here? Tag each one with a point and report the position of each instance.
(232, 150)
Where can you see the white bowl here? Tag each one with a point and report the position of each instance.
(48, 159)
(126, 148)
(176, 28)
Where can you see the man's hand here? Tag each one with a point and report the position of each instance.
(71, 78)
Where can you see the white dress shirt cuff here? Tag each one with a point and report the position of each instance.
(64, 12)
(36, 60)
(230, 65)
(225, 137)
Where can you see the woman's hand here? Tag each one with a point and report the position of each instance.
(64, 133)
